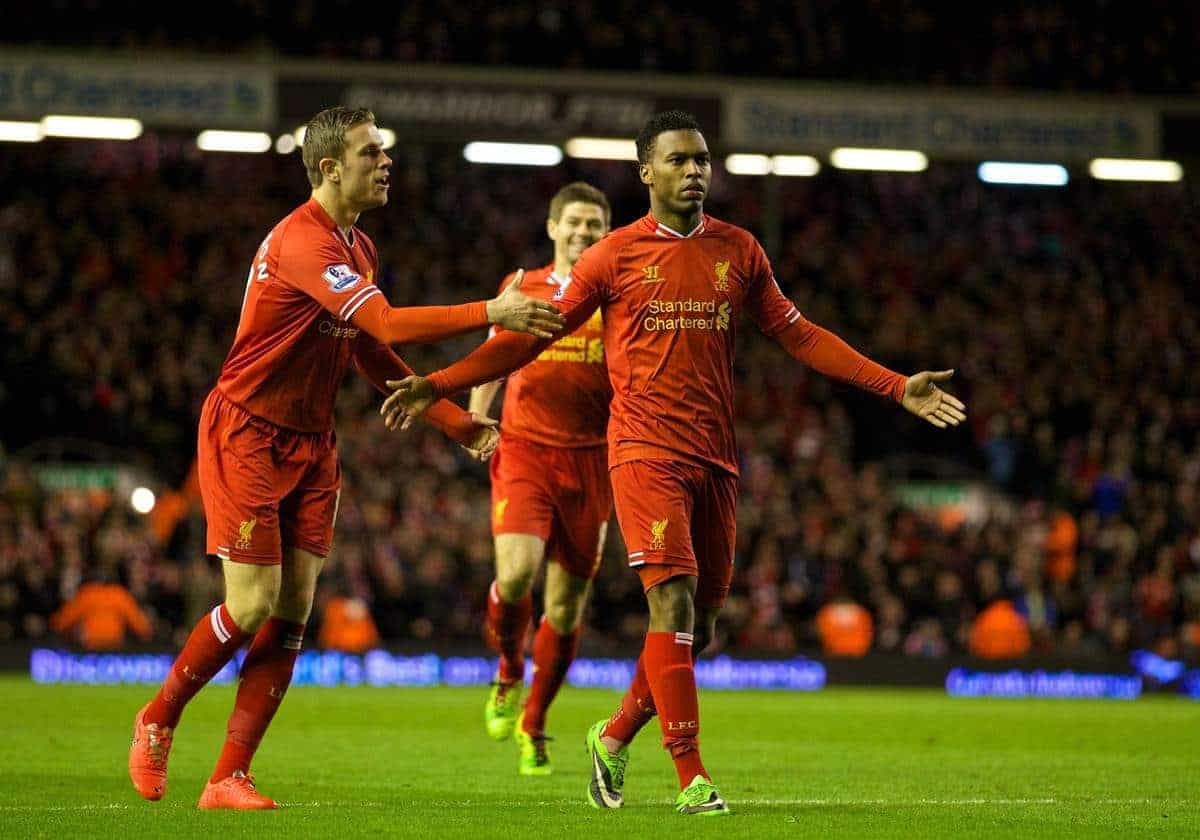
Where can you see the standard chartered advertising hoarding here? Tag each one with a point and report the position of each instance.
(1028, 128)
(166, 93)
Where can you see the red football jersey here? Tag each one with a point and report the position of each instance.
(294, 339)
(561, 397)
(669, 302)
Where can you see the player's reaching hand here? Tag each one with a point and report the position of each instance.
(410, 398)
(515, 310)
(487, 440)
(929, 402)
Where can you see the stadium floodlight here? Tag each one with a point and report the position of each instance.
(285, 144)
(389, 137)
(1127, 169)
(233, 141)
(804, 166)
(142, 499)
(742, 164)
(299, 134)
(513, 154)
(91, 128)
(881, 160)
(601, 148)
(1031, 174)
(20, 132)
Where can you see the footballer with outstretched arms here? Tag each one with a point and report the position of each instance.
(670, 287)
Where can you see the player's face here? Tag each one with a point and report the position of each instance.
(364, 180)
(580, 225)
(679, 172)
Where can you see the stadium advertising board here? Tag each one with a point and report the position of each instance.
(505, 107)
(813, 120)
(187, 96)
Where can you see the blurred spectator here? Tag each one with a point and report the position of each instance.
(999, 632)
(845, 628)
(346, 625)
(100, 615)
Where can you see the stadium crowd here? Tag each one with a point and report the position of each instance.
(1116, 47)
(1070, 315)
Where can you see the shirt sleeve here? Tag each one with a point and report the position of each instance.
(377, 363)
(811, 344)
(585, 288)
(320, 271)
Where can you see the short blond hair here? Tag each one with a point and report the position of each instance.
(325, 137)
(580, 191)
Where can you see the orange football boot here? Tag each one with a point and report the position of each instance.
(148, 755)
(235, 792)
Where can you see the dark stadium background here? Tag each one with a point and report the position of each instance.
(1070, 313)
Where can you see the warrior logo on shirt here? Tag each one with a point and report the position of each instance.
(658, 530)
(340, 278)
(245, 533)
(652, 275)
(721, 281)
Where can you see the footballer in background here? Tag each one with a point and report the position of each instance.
(551, 498)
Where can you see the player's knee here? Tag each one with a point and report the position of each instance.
(514, 578)
(564, 614)
(671, 605)
(250, 609)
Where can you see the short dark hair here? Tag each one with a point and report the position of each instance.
(659, 123)
(579, 191)
(325, 137)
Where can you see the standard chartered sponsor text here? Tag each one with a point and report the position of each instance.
(688, 314)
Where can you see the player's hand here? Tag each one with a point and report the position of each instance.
(929, 402)
(486, 440)
(410, 398)
(514, 310)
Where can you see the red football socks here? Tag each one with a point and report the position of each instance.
(553, 654)
(636, 709)
(505, 631)
(213, 642)
(668, 658)
(266, 674)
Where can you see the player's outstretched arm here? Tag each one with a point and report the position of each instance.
(925, 399)
(476, 433)
(510, 309)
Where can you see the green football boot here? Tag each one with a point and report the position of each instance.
(535, 761)
(500, 712)
(608, 770)
(701, 797)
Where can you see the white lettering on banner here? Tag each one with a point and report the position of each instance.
(187, 95)
(951, 126)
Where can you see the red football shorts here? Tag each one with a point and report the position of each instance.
(678, 518)
(263, 486)
(557, 493)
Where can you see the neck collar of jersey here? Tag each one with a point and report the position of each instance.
(669, 233)
(321, 215)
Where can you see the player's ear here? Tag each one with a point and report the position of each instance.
(646, 173)
(551, 228)
(331, 169)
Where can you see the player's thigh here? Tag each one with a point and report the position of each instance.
(239, 484)
(714, 534)
(654, 500)
(582, 512)
(308, 512)
(522, 493)
(298, 584)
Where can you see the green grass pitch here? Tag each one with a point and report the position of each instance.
(416, 763)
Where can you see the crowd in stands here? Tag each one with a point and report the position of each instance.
(1070, 315)
(1146, 47)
